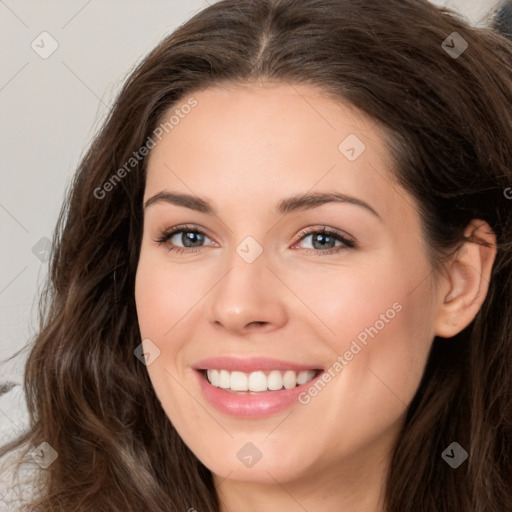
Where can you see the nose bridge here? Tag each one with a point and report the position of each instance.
(248, 294)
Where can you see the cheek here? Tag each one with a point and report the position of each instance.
(163, 293)
(345, 300)
(349, 292)
(159, 302)
(168, 301)
(163, 298)
(382, 333)
(379, 320)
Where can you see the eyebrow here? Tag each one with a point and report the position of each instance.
(298, 202)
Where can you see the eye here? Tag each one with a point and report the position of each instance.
(324, 239)
(190, 235)
(192, 238)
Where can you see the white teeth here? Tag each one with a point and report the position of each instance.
(258, 380)
(239, 381)
(303, 377)
(224, 379)
(274, 380)
(213, 377)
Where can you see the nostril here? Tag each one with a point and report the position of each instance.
(257, 324)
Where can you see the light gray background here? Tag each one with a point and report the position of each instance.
(50, 109)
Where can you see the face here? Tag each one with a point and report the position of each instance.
(266, 289)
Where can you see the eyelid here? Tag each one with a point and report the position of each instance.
(168, 233)
(345, 237)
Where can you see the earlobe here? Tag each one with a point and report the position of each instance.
(466, 280)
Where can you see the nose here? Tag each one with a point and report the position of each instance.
(248, 298)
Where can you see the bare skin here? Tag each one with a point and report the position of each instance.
(243, 150)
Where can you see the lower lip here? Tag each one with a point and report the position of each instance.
(246, 405)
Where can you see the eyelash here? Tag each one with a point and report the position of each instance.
(192, 228)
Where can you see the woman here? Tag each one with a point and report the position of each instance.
(207, 371)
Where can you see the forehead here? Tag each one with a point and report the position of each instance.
(257, 142)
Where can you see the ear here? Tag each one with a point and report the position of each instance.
(465, 280)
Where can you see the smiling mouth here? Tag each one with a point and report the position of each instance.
(258, 381)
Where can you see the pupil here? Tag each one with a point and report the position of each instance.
(190, 236)
(320, 237)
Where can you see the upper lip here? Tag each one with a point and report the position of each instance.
(252, 364)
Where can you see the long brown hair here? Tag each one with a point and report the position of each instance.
(449, 122)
